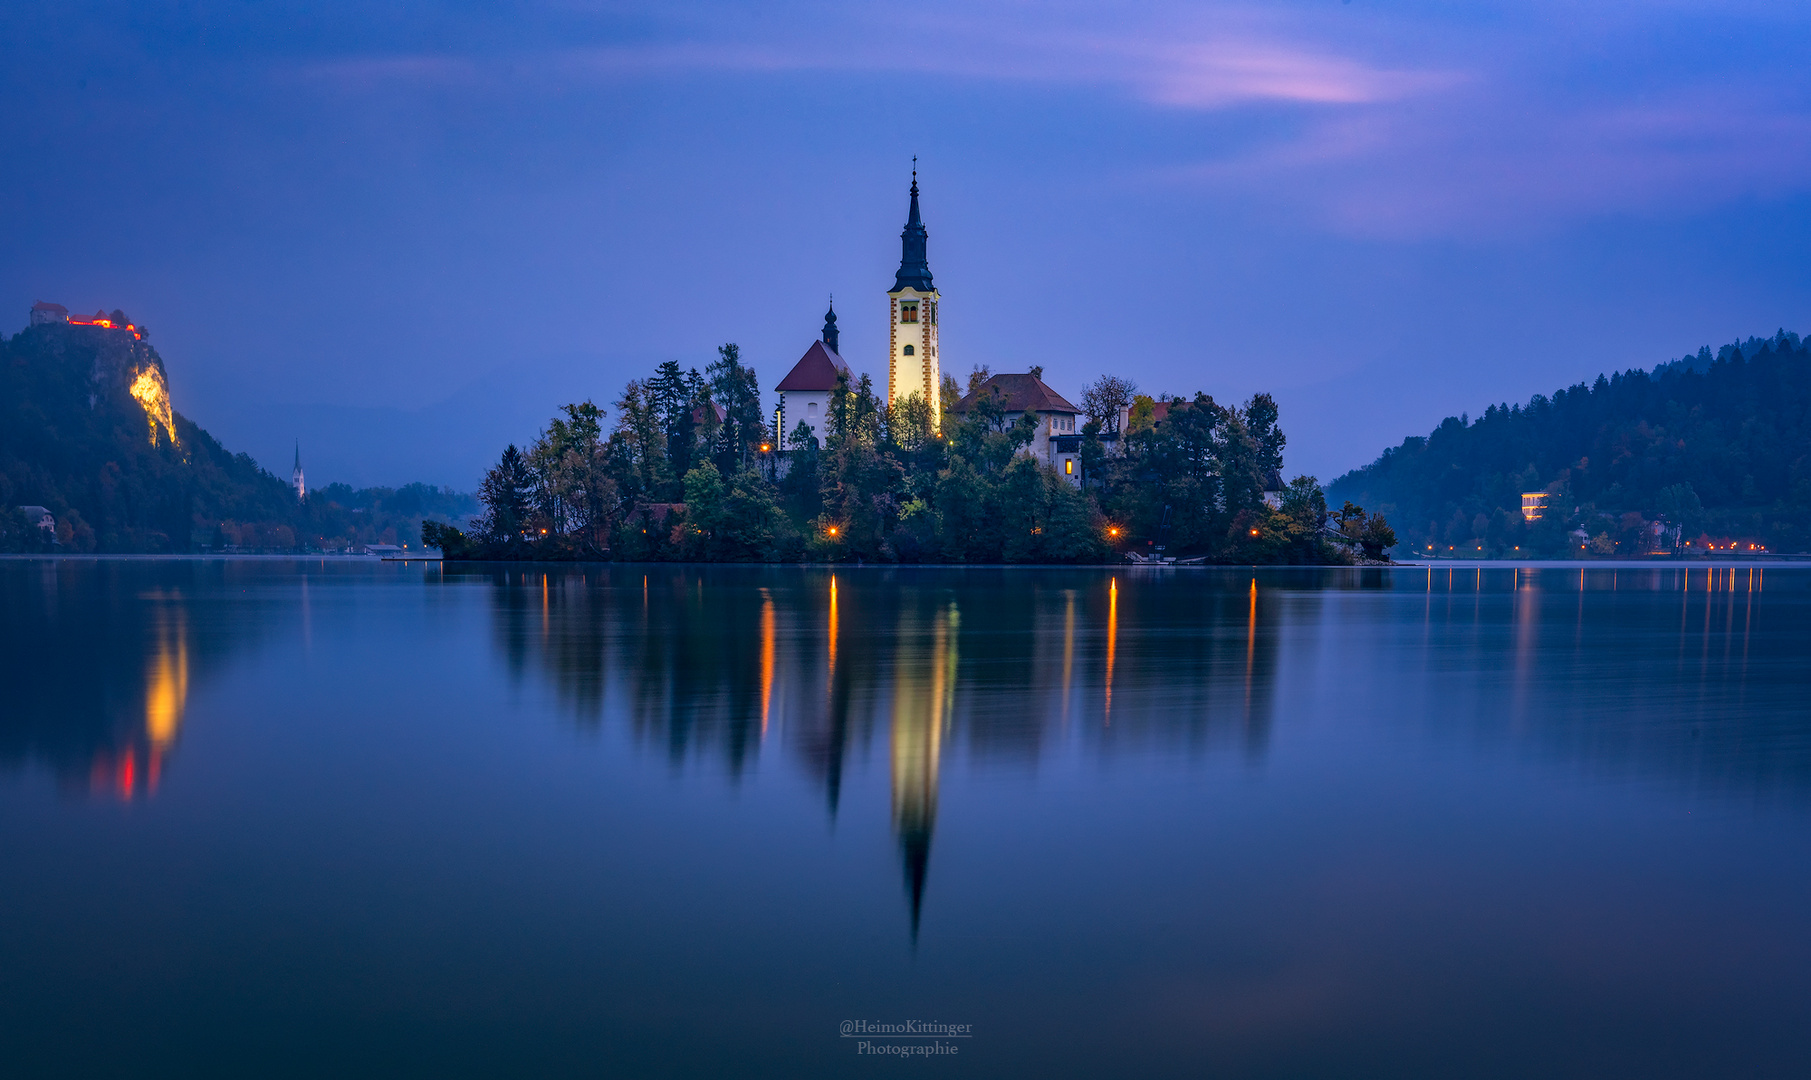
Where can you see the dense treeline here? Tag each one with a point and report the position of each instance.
(1708, 449)
(81, 434)
(688, 471)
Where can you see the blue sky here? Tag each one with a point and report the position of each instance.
(404, 234)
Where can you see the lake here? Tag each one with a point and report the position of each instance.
(292, 817)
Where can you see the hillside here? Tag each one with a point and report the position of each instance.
(1717, 445)
(88, 430)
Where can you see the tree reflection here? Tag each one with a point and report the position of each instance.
(712, 663)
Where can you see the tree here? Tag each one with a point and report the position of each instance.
(1103, 398)
(675, 394)
(735, 388)
(909, 423)
(639, 441)
(977, 375)
(506, 493)
(1242, 474)
(1261, 423)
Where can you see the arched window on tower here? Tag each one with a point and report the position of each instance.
(909, 351)
(908, 311)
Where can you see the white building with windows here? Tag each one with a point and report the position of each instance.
(41, 517)
(1016, 395)
(805, 391)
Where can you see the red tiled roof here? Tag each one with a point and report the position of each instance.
(1020, 393)
(42, 306)
(816, 371)
(698, 413)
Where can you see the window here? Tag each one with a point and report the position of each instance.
(908, 350)
(933, 312)
(811, 409)
(1069, 466)
(908, 311)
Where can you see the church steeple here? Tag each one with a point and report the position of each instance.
(914, 268)
(913, 369)
(830, 327)
(296, 480)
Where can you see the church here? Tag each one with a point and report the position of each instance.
(912, 363)
(914, 368)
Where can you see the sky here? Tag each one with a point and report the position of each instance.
(402, 235)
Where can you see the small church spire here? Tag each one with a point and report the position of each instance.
(830, 334)
(914, 267)
(296, 480)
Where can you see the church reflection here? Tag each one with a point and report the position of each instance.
(829, 670)
(923, 692)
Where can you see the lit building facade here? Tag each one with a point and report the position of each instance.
(806, 390)
(913, 366)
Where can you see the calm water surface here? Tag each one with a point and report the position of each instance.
(344, 818)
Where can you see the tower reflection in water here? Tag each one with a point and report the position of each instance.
(924, 688)
(722, 665)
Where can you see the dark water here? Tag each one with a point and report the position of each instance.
(299, 818)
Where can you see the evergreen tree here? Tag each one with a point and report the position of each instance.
(507, 493)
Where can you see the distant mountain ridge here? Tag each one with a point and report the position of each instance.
(1702, 360)
(1717, 445)
(88, 431)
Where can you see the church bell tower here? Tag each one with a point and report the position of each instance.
(913, 368)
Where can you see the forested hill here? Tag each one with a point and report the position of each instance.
(87, 430)
(1716, 444)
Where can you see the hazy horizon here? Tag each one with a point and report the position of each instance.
(404, 237)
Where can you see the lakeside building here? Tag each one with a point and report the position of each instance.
(913, 366)
(1018, 394)
(42, 518)
(806, 389)
(42, 313)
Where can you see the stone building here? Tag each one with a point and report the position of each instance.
(1057, 419)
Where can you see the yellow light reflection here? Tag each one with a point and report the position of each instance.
(831, 678)
(1251, 638)
(167, 685)
(767, 636)
(1112, 643)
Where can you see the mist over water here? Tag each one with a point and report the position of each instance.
(295, 817)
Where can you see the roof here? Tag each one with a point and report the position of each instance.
(36, 511)
(42, 306)
(698, 413)
(914, 269)
(1022, 393)
(816, 371)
